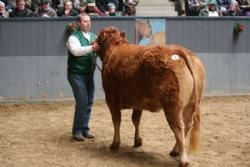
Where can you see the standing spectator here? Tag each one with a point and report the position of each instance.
(67, 9)
(81, 66)
(210, 10)
(3, 12)
(46, 10)
(21, 10)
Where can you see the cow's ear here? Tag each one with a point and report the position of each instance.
(103, 34)
(122, 34)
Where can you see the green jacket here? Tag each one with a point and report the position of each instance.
(84, 64)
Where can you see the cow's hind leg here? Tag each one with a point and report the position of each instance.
(136, 118)
(187, 118)
(116, 118)
(175, 151)
(173, 112)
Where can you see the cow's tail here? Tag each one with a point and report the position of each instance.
(195, 131)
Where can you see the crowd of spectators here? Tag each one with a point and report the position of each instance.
(70, 8)
(217, 8)
(52, 8)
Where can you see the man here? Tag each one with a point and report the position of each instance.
(67, 9)
(112, 10)
(46, 10)
(130, 7)
(21, 10)
(3, 12)
(92, 9)
(195, 6)
(81, 65)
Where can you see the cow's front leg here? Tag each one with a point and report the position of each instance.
(116, 118)
(136, 118)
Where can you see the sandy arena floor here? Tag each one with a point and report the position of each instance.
(39, 135)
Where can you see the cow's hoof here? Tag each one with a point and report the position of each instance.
(138, 142)
(114, 146)
(186, 164)
(173, 153)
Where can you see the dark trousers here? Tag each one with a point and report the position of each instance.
(83, 90)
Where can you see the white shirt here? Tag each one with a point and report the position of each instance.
(75, 47)
(213, 13)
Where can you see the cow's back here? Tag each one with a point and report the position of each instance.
(138, 76)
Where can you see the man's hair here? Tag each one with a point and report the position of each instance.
(2, 3)
(67, 1)
(80, 16)
(17, 1)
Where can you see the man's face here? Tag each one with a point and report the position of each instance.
(45, 6)
(111, 10)
(68, 5)
(84, 23)
(91, 8)
(212, 7)
(2, 8)
(21, 5)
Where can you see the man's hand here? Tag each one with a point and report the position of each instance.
(95, 46)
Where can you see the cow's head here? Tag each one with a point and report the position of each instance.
(108, 37)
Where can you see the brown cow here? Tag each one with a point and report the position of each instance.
(152, 77)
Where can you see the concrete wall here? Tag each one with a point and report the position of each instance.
(33, 56)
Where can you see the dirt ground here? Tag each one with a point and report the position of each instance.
(39, 135)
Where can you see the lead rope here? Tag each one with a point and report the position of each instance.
(98, 67)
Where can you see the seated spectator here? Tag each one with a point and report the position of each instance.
(67, 9)
(223, 6)
(210, 9)
(244, 5)
(130, 7)
(234, 9)
(194, 7)
(45, 9)
(91, 9)
(112, 10)
(21, 10)
(3, 12)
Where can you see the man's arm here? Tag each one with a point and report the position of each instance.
(75, 47)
